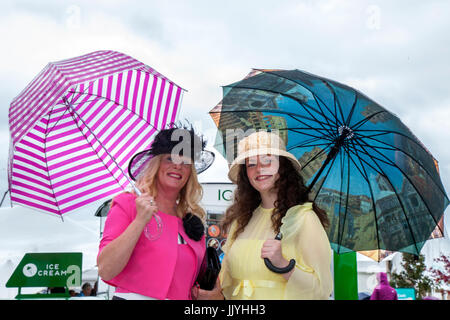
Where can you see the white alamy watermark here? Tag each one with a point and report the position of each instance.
(73, 17)
(191, 147)
(373, 21)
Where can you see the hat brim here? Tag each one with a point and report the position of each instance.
(240, 159)
(139, 162)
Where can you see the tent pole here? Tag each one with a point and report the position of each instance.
(4, 195)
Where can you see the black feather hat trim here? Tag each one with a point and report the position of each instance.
(180, 140)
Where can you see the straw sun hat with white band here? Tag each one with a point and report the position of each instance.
(260, 143)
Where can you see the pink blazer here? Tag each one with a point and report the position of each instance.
(151, 266)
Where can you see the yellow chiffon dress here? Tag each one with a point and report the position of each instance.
(244, 275)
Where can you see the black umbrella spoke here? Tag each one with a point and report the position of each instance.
(63, 104)
(298, 129)
(383, 132)
(324, 137)
(358, 135)
(380, 132)
(392, 147)
(75, 118)
(371, 137)
(73, 91)
(353, 151)
(400, 201)
(316, 99)
(363, 121)
(340, 201)
(91, 85)
(388, 146)
(412, 158)
(361, 170)
(277, 111)
(87, 101)
(325, 178)
(46, 163)
(303, 143)
(300, 119)
(409, 180)
(366, 177)
(308, 144)
(371, 156)
(406, 176)
(340, 232)
(336, 124)
(352, 109)
(336, 101)
(384, 148)
(319, 111)
(329, 133)
(48, 130)
(305, 106)
(317, 155)
(325, 126)
(347, 194)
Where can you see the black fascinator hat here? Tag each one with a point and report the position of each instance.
(179, 140)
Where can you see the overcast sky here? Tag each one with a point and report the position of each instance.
(396, 52)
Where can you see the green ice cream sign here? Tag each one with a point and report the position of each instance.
(47, 270)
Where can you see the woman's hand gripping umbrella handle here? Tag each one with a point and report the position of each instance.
(148, 234)
(275, 269)
(136, 190)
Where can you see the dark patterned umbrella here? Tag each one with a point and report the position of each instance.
(378, 183)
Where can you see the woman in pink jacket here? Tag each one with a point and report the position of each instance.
(153, 244)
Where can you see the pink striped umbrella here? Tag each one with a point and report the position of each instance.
(77, 124)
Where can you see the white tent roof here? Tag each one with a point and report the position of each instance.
(23, 230)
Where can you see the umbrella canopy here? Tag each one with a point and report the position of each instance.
(377, 255)
(379, 185)
(76, 125)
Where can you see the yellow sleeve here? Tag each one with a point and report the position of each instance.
(224, 275)
(305, 239)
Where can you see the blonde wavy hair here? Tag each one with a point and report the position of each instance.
(189, 196)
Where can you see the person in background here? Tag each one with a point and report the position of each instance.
(95, 289)
(86, 290)
(133, 256)
(383, 291)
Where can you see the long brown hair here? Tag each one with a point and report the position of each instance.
(291, 191)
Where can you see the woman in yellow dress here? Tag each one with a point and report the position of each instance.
(270, 198)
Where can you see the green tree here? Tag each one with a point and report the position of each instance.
(413, 275)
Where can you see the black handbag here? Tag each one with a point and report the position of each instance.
(209, 270)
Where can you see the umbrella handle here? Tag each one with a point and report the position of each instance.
(272, 268)
(155, 216)
(136, 190)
